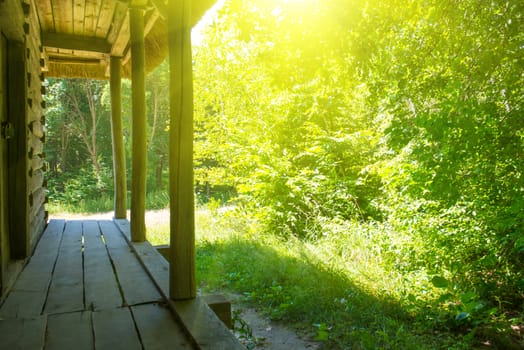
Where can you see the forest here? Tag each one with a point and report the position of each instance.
(370, 155)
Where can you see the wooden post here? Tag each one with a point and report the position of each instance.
(139, 143)
(182, 282)
(119, 160)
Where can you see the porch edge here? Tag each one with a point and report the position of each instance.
(202, 325)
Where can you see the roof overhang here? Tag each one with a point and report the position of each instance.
(79, 36)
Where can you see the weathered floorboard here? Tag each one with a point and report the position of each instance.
(134, 281)
(115, 329)
(102, 268)
(23, 334)
(66, 293)
(158, 329)
(29, 293)
(101, 288)
(206, 329)
(69, 331)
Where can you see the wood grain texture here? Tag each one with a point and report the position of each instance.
(36, 162)
(63, 16)
(78, 17)
(38, 223)
(182, 231)
(139, 121)
(200, 322)
(117, 135)
(37, 180)
(101, 287)
(136, 285)
(204, 326)
(18, 193)
(115, 329)
(76, 42)
(23, 334)
(66, 293)
(92, 14)
(70, 331)
(105, 17)
(4, 184)
(45, 15)
(11, 13)
(36, 199)
(158, 329)
(120, 36)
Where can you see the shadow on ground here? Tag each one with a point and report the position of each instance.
(301, 292)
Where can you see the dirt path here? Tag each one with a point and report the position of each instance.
(258, 332)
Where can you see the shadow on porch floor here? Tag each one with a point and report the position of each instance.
(87, 287)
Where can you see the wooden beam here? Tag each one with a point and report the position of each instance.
(75, 42)
(139, 141)
(149, 24)
(160, 7)
(18, 151)
(119, 34)
(182, 282)
(119, 159)
(74, 60)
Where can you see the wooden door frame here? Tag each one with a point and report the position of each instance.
(18, 150)
(5, 255)
(15, 109)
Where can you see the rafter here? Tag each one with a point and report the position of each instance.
(75, 42)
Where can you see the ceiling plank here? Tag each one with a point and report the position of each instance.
(104, 19)
(45, 15)
(78, 17)
(63, 16)
(161, 7)
(121, 42)
(91, 16)
(75, 42)
(119, 16)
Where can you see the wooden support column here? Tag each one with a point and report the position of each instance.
(182, 282)
(119, 160)
(139, 142)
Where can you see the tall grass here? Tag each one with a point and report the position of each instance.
(105, 203)
(100, 204)
(338, 289)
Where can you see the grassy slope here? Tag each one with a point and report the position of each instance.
(336, 289)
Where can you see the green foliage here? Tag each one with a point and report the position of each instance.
(404, 115)
(80, 186)
(338, 290)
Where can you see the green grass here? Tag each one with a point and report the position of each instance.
(105, 203)
(337, 289)
(100, 204)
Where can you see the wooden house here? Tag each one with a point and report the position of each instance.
(84, 284)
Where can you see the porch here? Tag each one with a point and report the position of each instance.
(87, 286)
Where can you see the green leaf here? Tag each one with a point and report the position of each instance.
(439, 282)
(444, 297)
(462, 316)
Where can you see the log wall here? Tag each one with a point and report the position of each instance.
(19, 25)
(36, 88)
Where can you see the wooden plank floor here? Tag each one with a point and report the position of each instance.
(84, 288)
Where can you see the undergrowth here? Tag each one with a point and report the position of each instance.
(345, 288)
